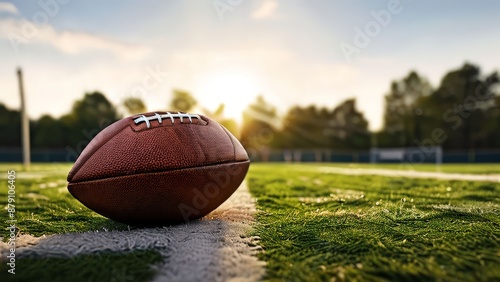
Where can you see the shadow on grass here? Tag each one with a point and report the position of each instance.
(480, 198)
(134, 266)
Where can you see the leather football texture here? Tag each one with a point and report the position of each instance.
(158, 168)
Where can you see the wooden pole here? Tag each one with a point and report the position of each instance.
(25, 124)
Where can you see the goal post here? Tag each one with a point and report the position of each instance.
(25, 124)
(408, 155)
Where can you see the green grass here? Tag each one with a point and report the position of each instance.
(44, 205)
(135, 266)
(314, 226)
(317, 226)
(446, 168)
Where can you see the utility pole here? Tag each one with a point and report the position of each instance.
(25, 124)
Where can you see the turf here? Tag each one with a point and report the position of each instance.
(135, 266)
(322, 227)
(44, 205)
(314, 226)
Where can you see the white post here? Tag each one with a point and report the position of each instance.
(25, 125)
(439, 158)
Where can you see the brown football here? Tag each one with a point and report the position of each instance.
(158, 168)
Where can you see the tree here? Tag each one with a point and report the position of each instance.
(348, 127)
(87, 118)
(344, 127)
(306, 127)
(49, 133)
(218, 115)
(402, 116)
(134, 105)
(493, 118)
(465, 107)
(182, 101)
(10, 127)
(260, 122)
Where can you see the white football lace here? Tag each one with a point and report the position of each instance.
(171, 116)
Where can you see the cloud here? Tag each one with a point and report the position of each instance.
(22, 32)
(266, 10)
(9, 8)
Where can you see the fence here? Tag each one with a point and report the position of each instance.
(14, 155)
(347, 156)
(306, 155)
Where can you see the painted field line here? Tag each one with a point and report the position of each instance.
(411, 174)
(215, 248)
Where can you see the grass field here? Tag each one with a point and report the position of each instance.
(317, 226)
(314, 227)
(44, 206)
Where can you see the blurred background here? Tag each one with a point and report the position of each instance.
(343, 81)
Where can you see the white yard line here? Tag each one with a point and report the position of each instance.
(411, 174)
(215, 248)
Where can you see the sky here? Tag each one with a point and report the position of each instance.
(319, 52)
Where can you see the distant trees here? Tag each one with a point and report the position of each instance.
(74, 130)
(348, 127)
(134, 105)
(465, 106)
(182, 101)
(310, 127)
(219, 116)
(260, 122)
(10, 127)
(403, 111)
(305, 127)
(50, 133)
(88, 117)
(343, 127)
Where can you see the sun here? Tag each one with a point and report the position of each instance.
(236, 90)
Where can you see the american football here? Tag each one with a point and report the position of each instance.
(157, 168)
(230, 140)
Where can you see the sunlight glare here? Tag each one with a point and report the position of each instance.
(235, 90)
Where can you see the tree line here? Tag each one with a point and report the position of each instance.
(464, 108)
(87, 117)
(463, 112)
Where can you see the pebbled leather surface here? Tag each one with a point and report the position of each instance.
(161, 197)
(125, 148)
(132, 173)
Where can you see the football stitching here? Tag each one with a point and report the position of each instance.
(167, 115)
